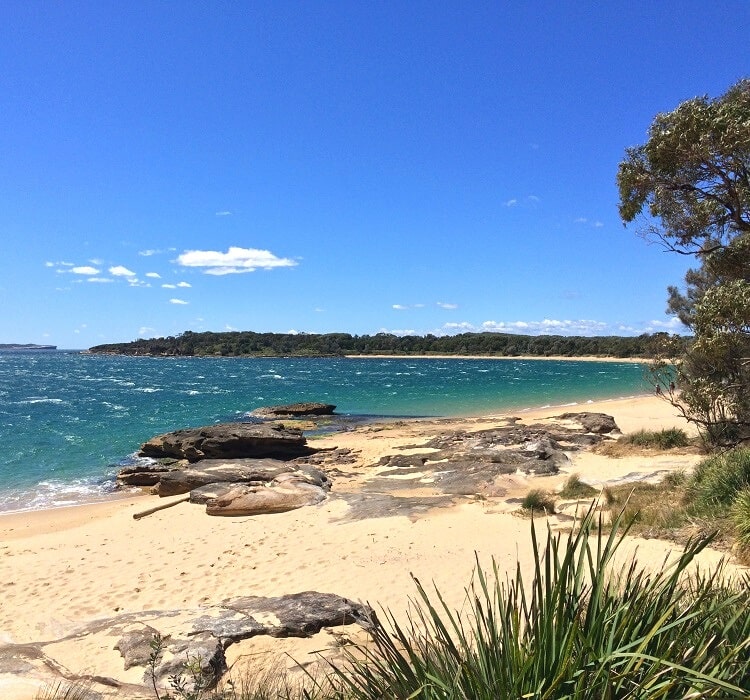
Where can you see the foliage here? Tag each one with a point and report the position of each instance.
(741, 518)
(575, 488)
(574, 632)
(693, 177)
(665, 439)
(718, 480)
(538, 501)
(66, 691)
(247, 343)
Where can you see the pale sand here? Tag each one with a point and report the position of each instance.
(63, 567)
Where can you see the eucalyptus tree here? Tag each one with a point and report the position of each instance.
(689, 184)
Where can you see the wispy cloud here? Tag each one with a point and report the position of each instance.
(84, 270)
(444, 305)
(100, 280)
(180, 302)
(528, 200)
(167, 285)
(400, 307)
(235, 261)
(120, 271)
(224, 212)
(548, 326)
(154, 275)
(184, 284)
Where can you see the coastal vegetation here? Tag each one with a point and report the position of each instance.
(248, 343)
(690, 184)
(575, 630)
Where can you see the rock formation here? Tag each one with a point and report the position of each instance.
(295, 410)
(228, 441)
(196, 637)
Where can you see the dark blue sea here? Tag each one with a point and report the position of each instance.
(69, 420)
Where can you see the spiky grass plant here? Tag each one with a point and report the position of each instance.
(66, 691)
(573, 631)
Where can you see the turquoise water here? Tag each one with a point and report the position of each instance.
(69, 421)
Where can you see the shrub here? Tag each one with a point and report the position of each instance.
(741, 518)
(575, 488)
(666, 439)
(718, 480)
(537, 501)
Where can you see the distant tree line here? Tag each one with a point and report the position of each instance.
(247, 343)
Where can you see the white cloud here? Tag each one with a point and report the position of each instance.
(120, 271)
(178, 301)
(400, 307)
(444, 305)
(145, 330)
(224, 213)
(236, 260)
(184, 284)
(597, 224)
(548, 326)
(84, 270)
(169, 286)
(154, 275)
(581, 220)
(102, 280)
(511, 203)
(461, 327)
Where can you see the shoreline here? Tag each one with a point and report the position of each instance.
(519, 358)
(69, 569)
(499, 412)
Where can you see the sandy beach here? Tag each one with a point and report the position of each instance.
(64, 568)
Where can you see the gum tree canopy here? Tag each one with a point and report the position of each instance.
(690, 183)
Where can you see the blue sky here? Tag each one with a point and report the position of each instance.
(409, 167)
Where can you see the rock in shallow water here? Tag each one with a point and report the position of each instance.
(229, 441)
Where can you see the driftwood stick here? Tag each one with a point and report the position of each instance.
(144, 513)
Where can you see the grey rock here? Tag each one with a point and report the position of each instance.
(214, 471)
(295, 410)
(599, 423)
(228, 441)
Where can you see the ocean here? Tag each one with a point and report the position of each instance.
(70, 420)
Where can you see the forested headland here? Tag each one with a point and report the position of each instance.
(248, 343)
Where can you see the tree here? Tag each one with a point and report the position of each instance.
(691, 182)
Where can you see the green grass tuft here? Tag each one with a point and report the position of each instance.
(575, 488)
(741, 518)
(666, 439)
(718, 480)
(538, 501)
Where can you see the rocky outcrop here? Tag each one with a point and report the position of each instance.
(196, 637)
(479, 463)
(228, 441)
(295, 410)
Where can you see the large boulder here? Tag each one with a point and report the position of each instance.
(228, 441)
(295, 410)
(303, 487)
(599, 423)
